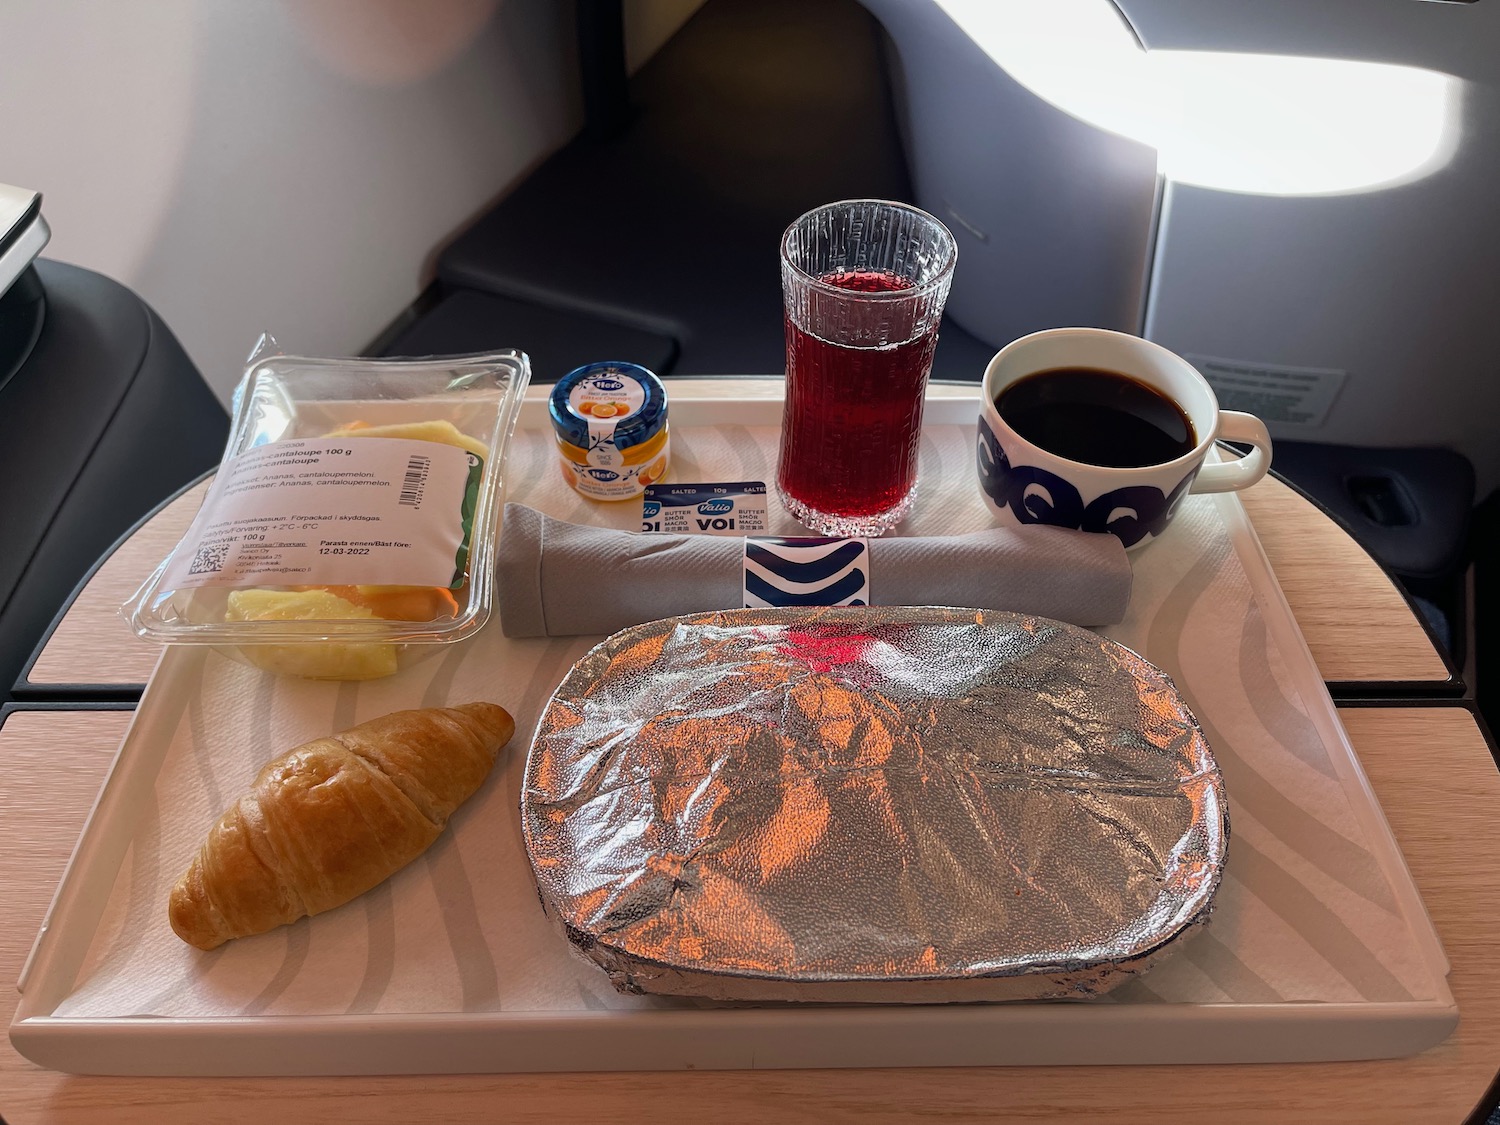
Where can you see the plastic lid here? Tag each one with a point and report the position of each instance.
(627, 394)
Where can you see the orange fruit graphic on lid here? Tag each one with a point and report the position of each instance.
(654, 473)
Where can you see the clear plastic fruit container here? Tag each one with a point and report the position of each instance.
(322, 553)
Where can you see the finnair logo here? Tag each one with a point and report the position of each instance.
(801, 571)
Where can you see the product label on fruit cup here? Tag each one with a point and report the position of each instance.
(806, 570)
(705, 509)
(334, 512)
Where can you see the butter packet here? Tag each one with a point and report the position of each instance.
(735, 508)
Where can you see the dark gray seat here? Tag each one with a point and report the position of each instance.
(654, 239)
(102, 415)
(756, 111)
(555, 340)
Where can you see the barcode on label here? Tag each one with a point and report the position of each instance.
(416, 481)
(209, 559)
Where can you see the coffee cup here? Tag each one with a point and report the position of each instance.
(1104, 431)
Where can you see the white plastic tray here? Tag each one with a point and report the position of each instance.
(1319, 949)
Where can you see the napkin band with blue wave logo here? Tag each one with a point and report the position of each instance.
(804, 570)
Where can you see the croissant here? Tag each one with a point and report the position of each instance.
(332, 818)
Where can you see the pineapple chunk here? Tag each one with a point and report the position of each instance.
(332, 661)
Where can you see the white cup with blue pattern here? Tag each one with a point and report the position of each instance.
(1024, 482)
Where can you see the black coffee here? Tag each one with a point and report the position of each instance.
(1097, 417)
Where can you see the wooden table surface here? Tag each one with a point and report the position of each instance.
(1430, 766)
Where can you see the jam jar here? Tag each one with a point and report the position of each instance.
(610, 419)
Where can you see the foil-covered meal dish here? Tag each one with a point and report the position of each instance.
(865, 804)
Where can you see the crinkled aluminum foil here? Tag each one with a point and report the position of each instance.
(871, 804)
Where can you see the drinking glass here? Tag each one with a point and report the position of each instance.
(863, 283)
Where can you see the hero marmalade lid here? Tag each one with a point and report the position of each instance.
(596, 394)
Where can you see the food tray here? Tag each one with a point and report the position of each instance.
(1319, 947)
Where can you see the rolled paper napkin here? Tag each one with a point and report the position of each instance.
(559, 579)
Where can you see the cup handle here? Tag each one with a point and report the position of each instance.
(1242, 472)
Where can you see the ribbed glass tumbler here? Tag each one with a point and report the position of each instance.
(863, 284)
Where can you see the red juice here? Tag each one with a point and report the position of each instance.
(853, 415)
